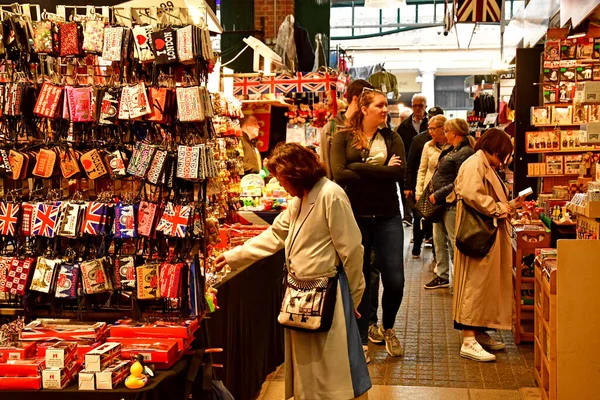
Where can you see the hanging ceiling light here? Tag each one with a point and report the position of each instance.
(385, 3)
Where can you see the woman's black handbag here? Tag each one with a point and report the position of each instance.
(426, 209)
(476, 233)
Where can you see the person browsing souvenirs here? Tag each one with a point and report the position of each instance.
(483, 288)
(322, 241)
(367, 159)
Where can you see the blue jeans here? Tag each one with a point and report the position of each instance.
(385, 236)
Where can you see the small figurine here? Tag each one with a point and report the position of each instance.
(138, 379)
(292, 114)
(320, 115)
(304, 113)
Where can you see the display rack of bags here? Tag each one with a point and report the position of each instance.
(113, 174)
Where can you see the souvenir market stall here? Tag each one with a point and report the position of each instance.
(117, 166)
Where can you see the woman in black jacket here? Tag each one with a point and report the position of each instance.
(457, 133)
(368, 161)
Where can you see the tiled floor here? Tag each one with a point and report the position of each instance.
(425, 328)
(275, 391)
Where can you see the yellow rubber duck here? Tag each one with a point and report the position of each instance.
(137, 379)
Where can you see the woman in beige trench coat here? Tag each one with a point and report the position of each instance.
(483, 293)
(318, 233)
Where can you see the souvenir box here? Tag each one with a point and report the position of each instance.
(60, 378)
(102, 356)
(542, 141)
(161, 352)
(540, 116)
(19, 351)
(112, 376)
(87, 380)
(61, 354)
(63, 329)
(83, 347)
(159, 329)
(21, 383)
(554, 165)
(183, 344)
(22, 368)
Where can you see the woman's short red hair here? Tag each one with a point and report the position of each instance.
(299, 166)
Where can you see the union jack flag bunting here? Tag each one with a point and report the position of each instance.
(479, 10)
(45, 219)
(285, 83)
(9, 218)
(95, 218)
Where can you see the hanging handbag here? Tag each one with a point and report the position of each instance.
(308, 304)
(426, 209)
(476, 233)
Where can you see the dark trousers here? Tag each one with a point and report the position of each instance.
(375, 279)
(384, 236)
(420, 233)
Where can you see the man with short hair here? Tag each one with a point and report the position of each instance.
(410, 181)
(353, 92)
(252, 159)
(408, 129)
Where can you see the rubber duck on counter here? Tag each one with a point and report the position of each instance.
(138, 379)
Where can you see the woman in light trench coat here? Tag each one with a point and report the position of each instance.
(318, 233)
(483, 294)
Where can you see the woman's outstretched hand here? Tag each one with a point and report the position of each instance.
(220, 262)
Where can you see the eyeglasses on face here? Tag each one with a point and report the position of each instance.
(418, 106)
(433, 128)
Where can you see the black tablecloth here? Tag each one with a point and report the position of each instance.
(246, 326)
(165, 385)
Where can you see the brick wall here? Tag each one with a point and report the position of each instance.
(273, 16)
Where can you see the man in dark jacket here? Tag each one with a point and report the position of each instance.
(252, 159)
(410, 181)
(408, 129)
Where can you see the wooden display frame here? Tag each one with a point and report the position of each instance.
(522, 244)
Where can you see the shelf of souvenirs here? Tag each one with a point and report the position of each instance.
(586, 204)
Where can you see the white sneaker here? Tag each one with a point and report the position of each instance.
(366, 351)
(488, 342)
(474, 351)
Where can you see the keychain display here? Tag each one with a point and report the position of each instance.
(113, 155)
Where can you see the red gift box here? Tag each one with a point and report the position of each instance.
(63, 329)
(21, 383)
(20, 351)
(60, 378)
(22, 368)
(161, 329)
(164, 352)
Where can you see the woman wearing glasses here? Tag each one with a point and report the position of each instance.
(429, 159)
(457, 134)
(367, 159)
(483, 289)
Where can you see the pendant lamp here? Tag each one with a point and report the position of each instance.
(385, 3)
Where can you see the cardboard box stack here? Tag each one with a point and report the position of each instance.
(21, 374)
(161, 343)
(104, 368)
(62, 365)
